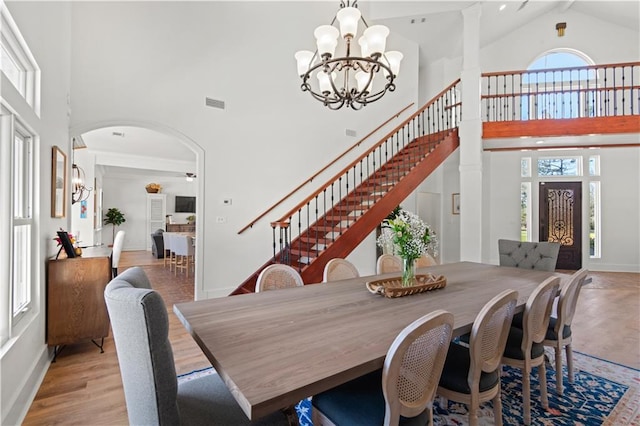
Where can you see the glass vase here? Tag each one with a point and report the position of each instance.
(408, 272)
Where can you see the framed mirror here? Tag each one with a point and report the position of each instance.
(58, 182)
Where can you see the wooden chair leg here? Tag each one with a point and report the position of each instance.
(497, 408)
(526, 397)
(559, 375)
(473, 411)
(542, 379)
(569, 362)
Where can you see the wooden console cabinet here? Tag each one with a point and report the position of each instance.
(76, 309)
(181, 227)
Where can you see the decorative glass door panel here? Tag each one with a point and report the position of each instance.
(560, 220)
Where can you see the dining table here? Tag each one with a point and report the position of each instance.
(275, 348)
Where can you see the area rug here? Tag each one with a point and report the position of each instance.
(603, 393)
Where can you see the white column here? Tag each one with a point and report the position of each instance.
(471, 140)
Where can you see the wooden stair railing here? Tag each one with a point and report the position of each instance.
(340, 214)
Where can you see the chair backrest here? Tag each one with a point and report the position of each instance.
(182, 245)
(168, 238)
(425, 260)
(118, 242)
(568, 300)
(339, 269)
(414, 364)
(542, 256)
(278, 276)
(388, 263)
(537, 313)
(489, 335)
(141, 333)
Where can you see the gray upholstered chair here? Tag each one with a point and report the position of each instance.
(524, 347)
(339, 269)
(471, 374)
(157, 244)
(403, 391)
(153, 396)
(528, 255)
(118, 243)
(559, 330)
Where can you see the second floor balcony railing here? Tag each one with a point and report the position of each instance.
(611, 90)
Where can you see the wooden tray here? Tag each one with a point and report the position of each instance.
(392, 287)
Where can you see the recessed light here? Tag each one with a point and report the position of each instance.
(539, 142)
(502, 7)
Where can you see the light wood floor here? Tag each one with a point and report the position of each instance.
(84, 387)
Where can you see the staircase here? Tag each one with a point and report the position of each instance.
(344, 211)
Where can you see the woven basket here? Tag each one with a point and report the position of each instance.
(152, 190)
(392, 287)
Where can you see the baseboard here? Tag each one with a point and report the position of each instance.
(16, 413)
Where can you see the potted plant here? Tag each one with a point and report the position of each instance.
(114, 217)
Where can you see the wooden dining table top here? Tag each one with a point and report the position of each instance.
(274, 348)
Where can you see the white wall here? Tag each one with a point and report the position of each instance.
(25, 358)
(162, 62)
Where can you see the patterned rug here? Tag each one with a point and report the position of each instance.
(603, 393)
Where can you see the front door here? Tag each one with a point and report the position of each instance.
(561, 220)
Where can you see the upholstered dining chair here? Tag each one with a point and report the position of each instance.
(168, 254)
(339, 269)
(140, 325)
(118, 243)
(278, 276)
(542, 256)
(387, 263)
(559, 330)
(403, 392)
(184, 250)
(425, 260)
(471, 374)
(524, 347)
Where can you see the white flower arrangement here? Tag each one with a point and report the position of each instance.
(408, 235)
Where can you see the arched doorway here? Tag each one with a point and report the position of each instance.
(120, 159)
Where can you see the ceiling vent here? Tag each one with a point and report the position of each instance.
(215, 103)
(120, 134)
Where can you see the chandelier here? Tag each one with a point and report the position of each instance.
(80, 191)
(348, 79)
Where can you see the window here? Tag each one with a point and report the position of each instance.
(525, 167)
(525, 211)
(594, 220)
(560, 166)
(18, 190)
(594, 165)
(22, 222)
(16, 61)
(558, 92)
(18, 147)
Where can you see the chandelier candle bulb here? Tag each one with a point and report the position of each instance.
(326, 40)
(364, 49)
(348, 18)
(363, 81)
(376, 36)
(304, 58)
(393, 58)
(325, 83)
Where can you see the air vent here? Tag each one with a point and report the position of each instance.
(120, 134)
(215, 103)
(350, 132)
